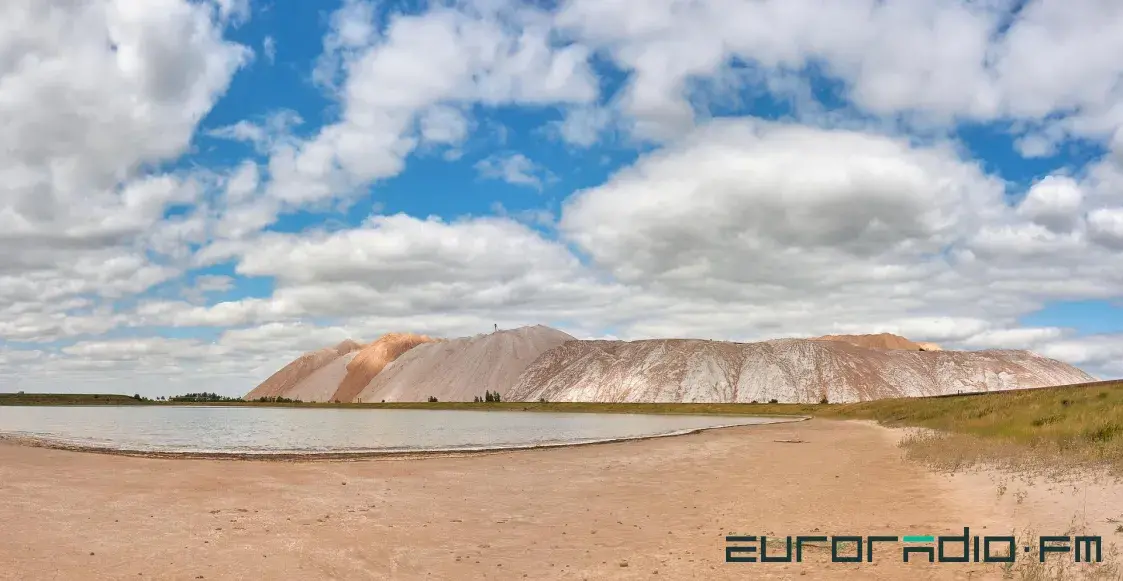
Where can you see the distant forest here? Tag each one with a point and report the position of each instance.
(203, 397)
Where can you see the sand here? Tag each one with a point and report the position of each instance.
(661, 507)
(787, 370)
(461, 369)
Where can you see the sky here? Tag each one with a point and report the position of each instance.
(193, 192)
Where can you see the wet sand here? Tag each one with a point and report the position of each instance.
(651, 509)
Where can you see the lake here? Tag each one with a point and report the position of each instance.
(265, 430)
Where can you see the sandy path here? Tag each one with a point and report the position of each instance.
(661, 506)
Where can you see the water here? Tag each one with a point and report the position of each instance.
(216, 429)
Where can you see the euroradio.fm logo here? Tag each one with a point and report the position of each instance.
(944, 549)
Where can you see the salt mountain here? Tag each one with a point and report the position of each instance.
(532, 363)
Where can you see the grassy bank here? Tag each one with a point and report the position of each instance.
(1052, 429)
(69, 399)
(1076, 415)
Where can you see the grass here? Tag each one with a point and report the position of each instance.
(68, 399)
(1076, 416)
(1059, 427)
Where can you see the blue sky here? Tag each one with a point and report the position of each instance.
(451, 188)
(721, 170)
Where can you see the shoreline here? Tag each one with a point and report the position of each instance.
(563, 407)
(659, 507)
(304, 456)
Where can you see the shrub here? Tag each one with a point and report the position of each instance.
(824, 400)
(773, 401)
(432, 399)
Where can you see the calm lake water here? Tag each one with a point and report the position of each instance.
(303, 430)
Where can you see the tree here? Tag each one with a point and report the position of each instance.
(136, 396)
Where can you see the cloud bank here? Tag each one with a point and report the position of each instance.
(158, 236)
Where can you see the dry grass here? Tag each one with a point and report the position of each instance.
(1059, 567)
(955, 452)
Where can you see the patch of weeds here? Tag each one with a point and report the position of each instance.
(1103, 434)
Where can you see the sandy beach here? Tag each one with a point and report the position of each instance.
(652, 509)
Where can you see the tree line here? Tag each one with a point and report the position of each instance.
(203, 397)
(489, 397)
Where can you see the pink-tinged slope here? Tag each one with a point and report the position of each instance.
(281, 383)
(787, 370)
